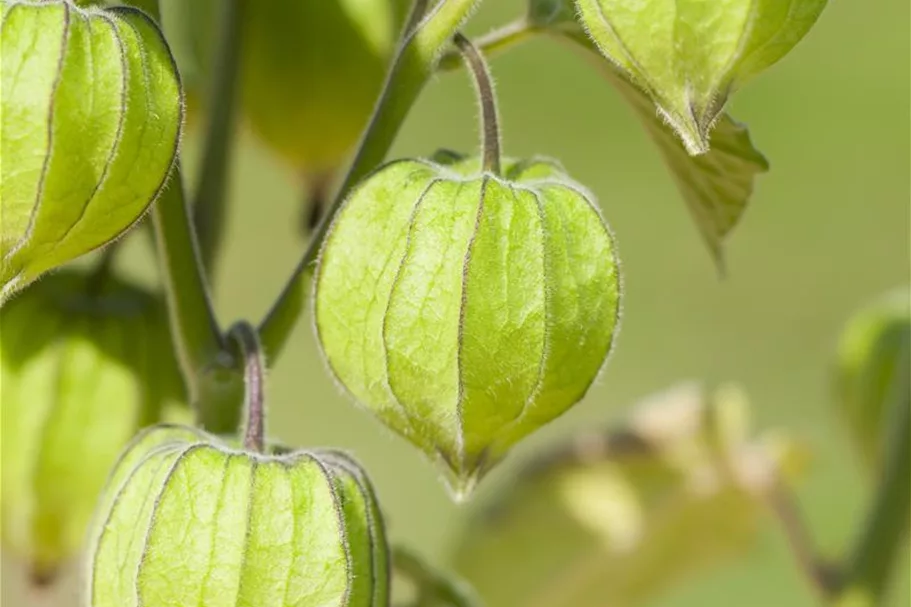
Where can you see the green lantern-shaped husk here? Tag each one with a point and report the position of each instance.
(190, 520)
(84, 364)
(312, 71)
(89, 129)
(691, 55)
(467, 305)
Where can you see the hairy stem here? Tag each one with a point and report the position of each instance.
(210, 207)
(247, 341)
(423, 39)
(872, 561)
(490, 122)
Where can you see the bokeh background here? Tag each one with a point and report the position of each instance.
(827, 231)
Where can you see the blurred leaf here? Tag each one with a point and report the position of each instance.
(873, 350)
(429, 586)
(613, 521)
(716, 185)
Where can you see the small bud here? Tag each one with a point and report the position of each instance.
(312, 72)
(81, 372)
(875, 349)
(691, 55)
(466, 309)
(90, 122)
(189, 520)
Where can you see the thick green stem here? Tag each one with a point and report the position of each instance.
(214, 384)
(196, 334)
(411, 68)
(210, 207)
(885, 532)
(433, 587)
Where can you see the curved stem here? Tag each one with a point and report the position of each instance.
(490, 122)
(433, 587)
(210, 207)
(821, 575)
(247, 341)
(422, 40)
(872, 561)
(496, 41)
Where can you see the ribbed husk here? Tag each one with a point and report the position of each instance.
(190, 519)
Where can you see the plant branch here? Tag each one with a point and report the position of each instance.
(423, 39)
(432, 585)
(205, 363)
(196, 333)
(210, 207)
(821, 575)
(490, 122)
(872, 561)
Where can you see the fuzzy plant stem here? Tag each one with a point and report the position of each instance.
(247, 340)
(490, 122)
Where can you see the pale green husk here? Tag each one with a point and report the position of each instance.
(80, 373)
(311, 72)
(690, 55)
(189, 520)
(464, 309)
(89, 127)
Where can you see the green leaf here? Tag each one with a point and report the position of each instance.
(619, 519)
(691, 55)
(77, 175)
(188, 520)
(717, 184)
(467, 309)
(874, 350)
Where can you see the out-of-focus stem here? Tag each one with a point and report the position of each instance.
(210, 207)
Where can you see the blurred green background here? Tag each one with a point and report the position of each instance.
(827, 230)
